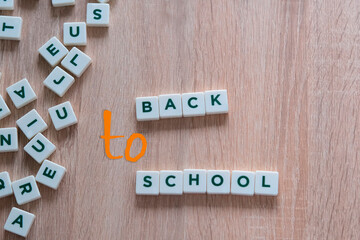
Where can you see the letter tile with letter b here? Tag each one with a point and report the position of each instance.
(21, 93)
(194, 181)
(98, 15)
(171, 182)
(5, 185)
(193, 104)
(147, 108)
(62, 115)
(19, 222)
(10, 27)
(59, 81)
(8, 140)
(266, 183)
(25, 190)
(53, 51)
(242, 183)
(39, 148)
(50, 174)
(4, 109)
(76, 62)
(170, 106)
(216, 102)
(75, 34)
(31, 124)
(147, 182)
(218, 182)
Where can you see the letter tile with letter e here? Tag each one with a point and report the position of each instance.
(26, 190)
(76, 62)
(50, 174)
(5, 185)
(8, 140)
(147, 183)
(19, 222)
(218, 182)
(31, 124)
(171, 182)
(266, 183)
(62, 115)
(53, 51)
(147, 108)
(194, 181)
(21, 93)
(40, 148)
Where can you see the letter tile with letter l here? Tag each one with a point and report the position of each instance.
(50, 174)
(26, 190)
(59, 81)
(147, 183)
(147, 108)
(53, 51)
(4, 109)
(21, 93)
(194, 181)
(242, 183)
(39, 148)
(62, 115)
(98, 15)
(266, 183)
(76, 62)
(31, 124)
(170, 106)
(218, 182)
(193, 104)
(19, 222)
(216, 102)
(171, 182)
(75, 34)
(10, 27)
(5, 185)
(8, 140)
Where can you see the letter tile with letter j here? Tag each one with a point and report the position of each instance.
(19, 222)
(53, 51)
(62, 115)
(26, 190)
(50, 174)
(59, 81)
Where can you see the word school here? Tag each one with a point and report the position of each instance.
(207, 181)
(181, 105)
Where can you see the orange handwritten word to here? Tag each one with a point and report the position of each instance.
(107, 137)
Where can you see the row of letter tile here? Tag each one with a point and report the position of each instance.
(207, 181)
(185, 105)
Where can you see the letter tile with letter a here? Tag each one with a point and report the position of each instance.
(21, 93)
(62, 115)
(147, 183)
(4, 109)
(50, 174)
(39, 148)
(19, 222)
(98, 15)
(193, 104)
(216, 102)
(25, 190)
(10, 27)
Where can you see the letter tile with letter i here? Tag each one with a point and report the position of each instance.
(25, 190)
(40, 148)
(50, 174)
(19, 222)
(53, 51)
(31, 124)
(8, 140)
(21, 93)
(62, 115)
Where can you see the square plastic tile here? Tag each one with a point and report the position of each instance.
(75, 34)
(31, 124)
(62, 115)
(50, 174)
(5, 185)
(266, 183)
(171, 182)
(4, 109)
(147, 183)
(8, 140)
(39, 148)
(193, 104)
(216, 102)
(19, 222)
(21, 93)
(170, 106)
(98, 15)
(25, 190)
(59, 81)
(53, 51)
(10, 27)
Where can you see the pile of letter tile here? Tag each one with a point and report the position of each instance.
(31, 124)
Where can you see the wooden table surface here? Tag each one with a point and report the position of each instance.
(292, 71)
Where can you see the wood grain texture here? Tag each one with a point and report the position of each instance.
(292, 71)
